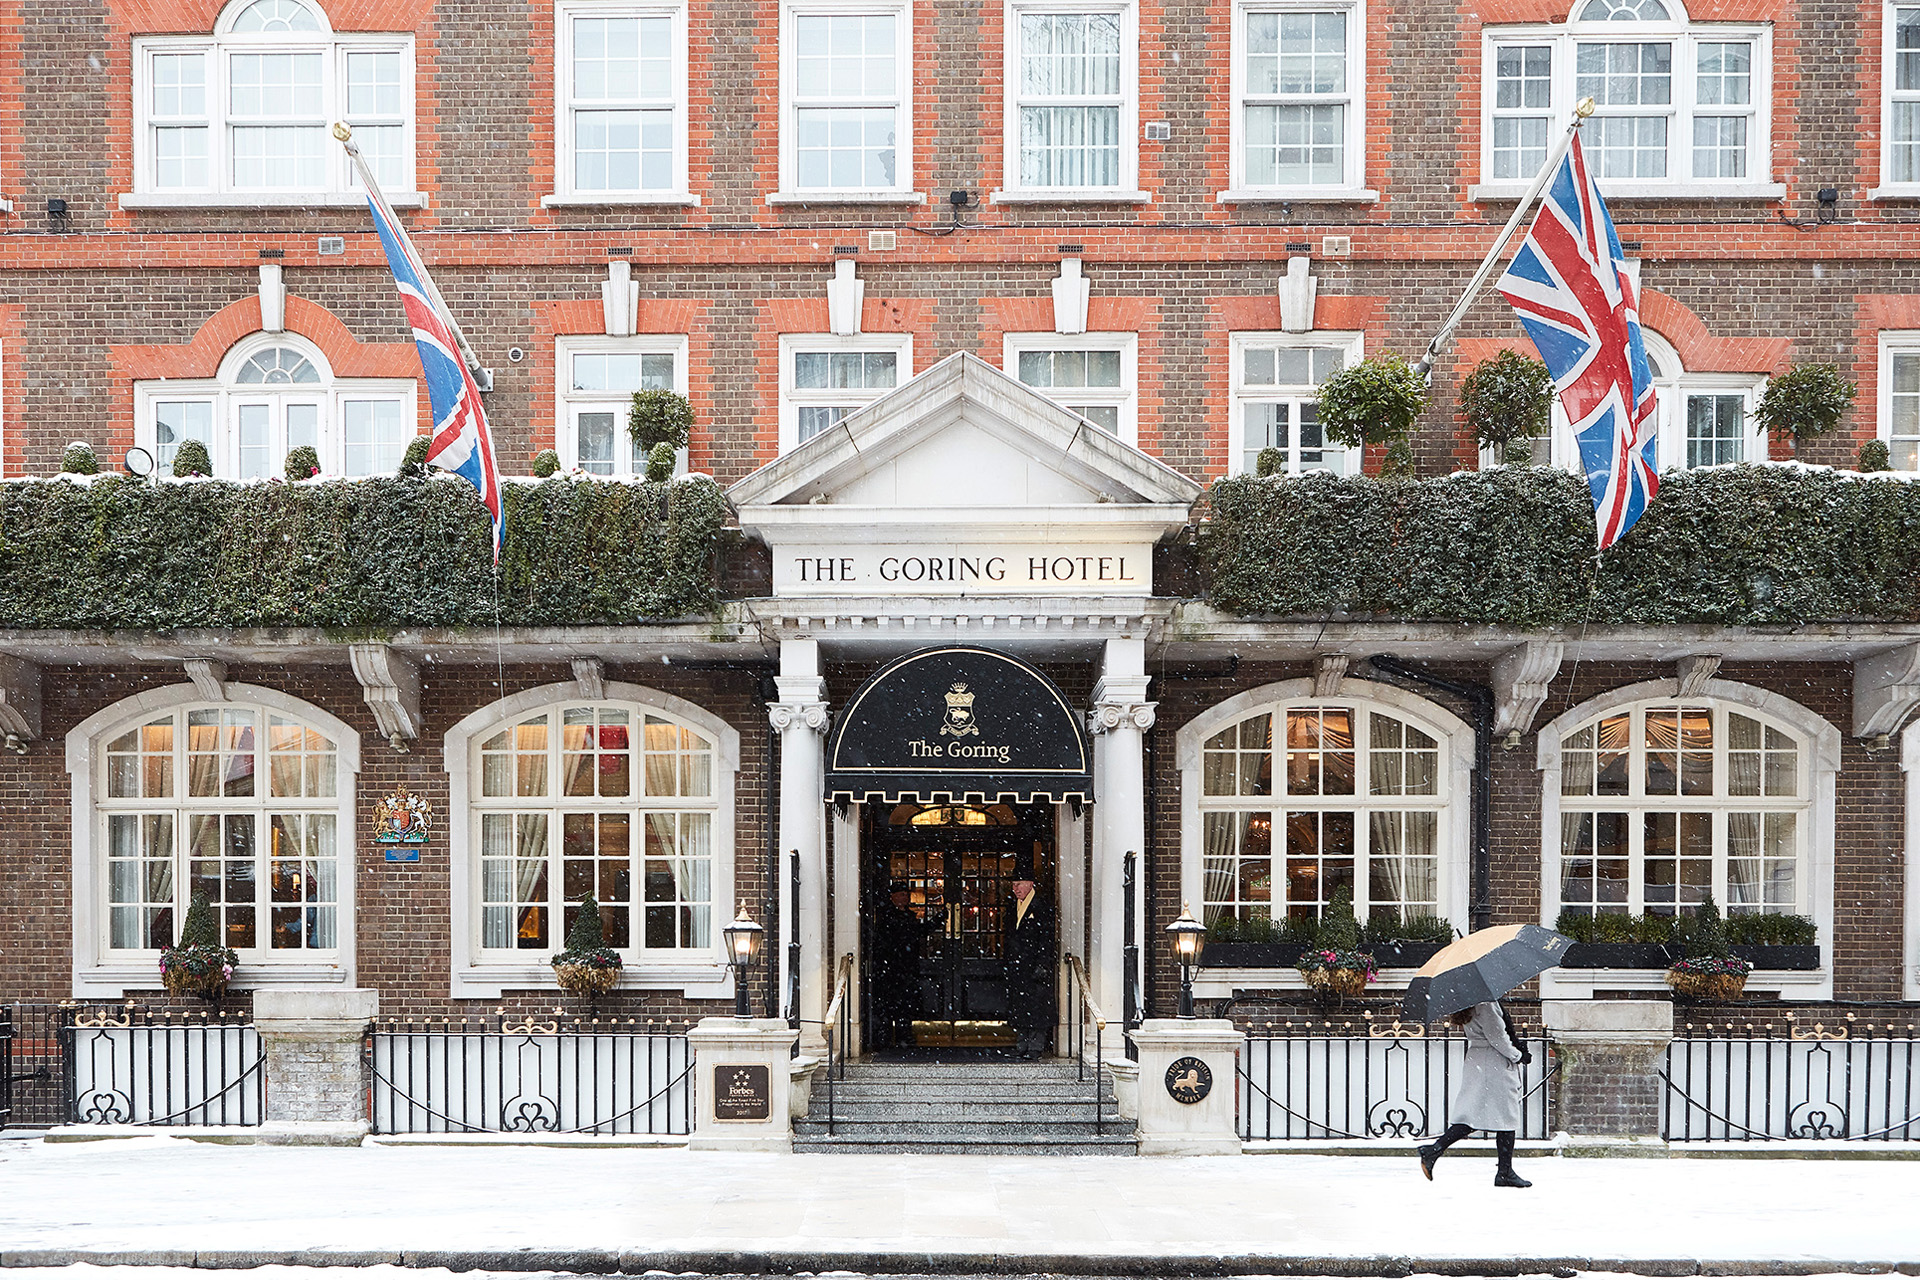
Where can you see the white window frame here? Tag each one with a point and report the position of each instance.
(567, 401)
(1126, 190)
(1893, 342)
(223, 393)
(1240, 396)
(341, 186)
(1454, 786)
(478, 974)
(1910, 766)
(1672, 385)
(1819, 745)
(901, 192)
(1126, 399)
(791, 398)
(99, 971)
(564, 190)
(1685, 36)
(1352, 187)
(1889, 188)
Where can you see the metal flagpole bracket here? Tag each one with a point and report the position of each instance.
(1424, 365)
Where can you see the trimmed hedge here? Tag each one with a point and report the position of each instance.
(1734, 546)
(358, 556)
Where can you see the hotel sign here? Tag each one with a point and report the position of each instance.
(964, 569)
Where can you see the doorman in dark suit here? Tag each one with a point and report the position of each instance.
(1029, 967)
(898, 935)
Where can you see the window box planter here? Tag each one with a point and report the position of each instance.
(1404, 955)
(1779, 957)
(1616, 955)
(1250, 955)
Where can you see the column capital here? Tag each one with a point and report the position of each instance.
(807, 715)
(1116, 713)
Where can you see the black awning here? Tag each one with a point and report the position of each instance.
(957, 724)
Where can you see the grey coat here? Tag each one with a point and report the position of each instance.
(1488, 1095)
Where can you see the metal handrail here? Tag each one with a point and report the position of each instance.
(838, 1028)
(1082, 989)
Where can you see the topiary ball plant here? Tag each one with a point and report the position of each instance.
(1507, 401)
(546, 463)
(1270, 462)
(1874, 456)
(1375, 402)
(80, 460)
(588, 967)
(660, 417)
(1805, 402)
(191, 459)
(303, 462)
(660, 462)
(413, 463)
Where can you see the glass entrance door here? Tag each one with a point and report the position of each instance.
(939, 980)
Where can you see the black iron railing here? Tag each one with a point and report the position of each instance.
(31, 1066)
(1085, 1032)
(123, 1065)
(839, 1030)
(1849, 1080)
(1364, 1079)
(531, 1075)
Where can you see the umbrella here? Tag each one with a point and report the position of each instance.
(1484, 965)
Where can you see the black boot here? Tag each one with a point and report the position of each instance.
(1503, 1174)
(1432, 1151)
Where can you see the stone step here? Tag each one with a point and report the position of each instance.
(1108, 1146)
(1023, 1110)
(1007, 1131)
(945, 1071)
(1065, 1094)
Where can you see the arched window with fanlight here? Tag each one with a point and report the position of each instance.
(242, 114)
(275, 393)
(1292, 797)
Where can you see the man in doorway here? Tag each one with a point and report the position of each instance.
(1029, 967)
(897, 937)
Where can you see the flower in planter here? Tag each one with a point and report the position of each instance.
(199, 965)
(1343, 973)
(588, 967)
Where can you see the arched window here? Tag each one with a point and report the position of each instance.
(248, 802)
(241, 115)
(627, 797)
(1293, 797)
(274, 393)
(1655, 800)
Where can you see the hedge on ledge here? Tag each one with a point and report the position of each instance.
(1734, 546)
(353, 555)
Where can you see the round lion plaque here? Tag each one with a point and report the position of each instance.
(1189, 1080)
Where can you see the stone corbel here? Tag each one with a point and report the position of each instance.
(1692, 672)
(19, 702)
(1521, 678)
(785, 715)
(209, 678)
(1298, 290)
(390, 682)
(1072, 292)
(591, 675)
(273, 298)
(1108, 716)
(620, 300)
(1329, 669)
(1886, 690)
(845, 293)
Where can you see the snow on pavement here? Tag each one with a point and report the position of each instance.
(163, 1193)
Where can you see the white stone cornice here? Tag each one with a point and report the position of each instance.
(1521, 678)
(1886, 689)
(209, 677)
(1113, 714)
(787, 715)
(390, 683)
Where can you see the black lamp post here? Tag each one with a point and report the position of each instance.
(1189, 940)
(743, 945)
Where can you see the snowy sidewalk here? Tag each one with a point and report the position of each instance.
(170, 1202)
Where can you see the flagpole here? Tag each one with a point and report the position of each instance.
(345, 135)
(1424, 366)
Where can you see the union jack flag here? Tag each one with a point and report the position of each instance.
(1570, 286)
(461, 442)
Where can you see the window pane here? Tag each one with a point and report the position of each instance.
(1238, 867)
(593, 442)
(1295, 144)
(178, 420)
(275, 16)
(376, 85)
(377, 435)
(1716, 430)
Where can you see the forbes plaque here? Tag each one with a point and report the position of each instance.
(741, 1092)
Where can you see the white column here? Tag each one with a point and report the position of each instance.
(1121, 716)
(800, 716)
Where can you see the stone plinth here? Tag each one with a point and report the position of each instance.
(1610, 1053)
(315, 1078)
(1167, 1125)
(743, 1078)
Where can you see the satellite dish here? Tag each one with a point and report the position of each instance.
(138, 462)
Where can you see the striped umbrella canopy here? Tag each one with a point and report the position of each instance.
(1482, 966)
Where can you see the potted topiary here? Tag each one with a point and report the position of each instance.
(198, 965)
(303, 462)
(413, 463)
(191, 459)
(1767, 940)
(1375, 402)
(588, 967)
(1614, 940)
(80, 460)
(660, 417)
(1255, 943)
(1508, 401)
(1805, 402)
(660, 462)
(1875, 456)
(1335, 965)
(1708, 971)
(546, 463)
(1397, 943)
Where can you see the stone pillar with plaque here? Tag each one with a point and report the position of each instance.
(742, 1078)
(1187, 1086)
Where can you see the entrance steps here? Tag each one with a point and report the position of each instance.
(965, 1108)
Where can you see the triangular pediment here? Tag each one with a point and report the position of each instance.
(964, 435)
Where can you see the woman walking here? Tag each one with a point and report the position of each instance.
(1488, 1096)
